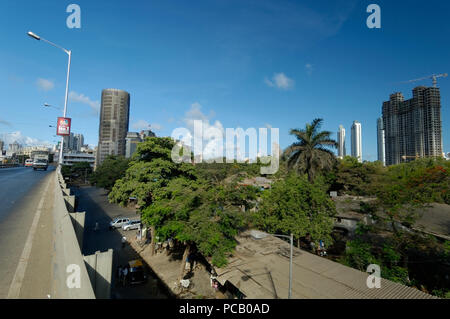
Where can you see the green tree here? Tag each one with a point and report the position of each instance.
(178, 202)
(311, 154)
(294, 205)
(355, 178)
(112, 169)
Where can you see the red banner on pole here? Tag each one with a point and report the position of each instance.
(63, 126)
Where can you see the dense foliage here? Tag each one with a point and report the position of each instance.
(178, 202)
(294, 205)
(77, 173)
(205, 205)
(107, 173)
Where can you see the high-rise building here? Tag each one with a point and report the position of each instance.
(356, 141)
(78, 142)
(132, 140)
(146, 133)
(2, 144)
(14, 147)
(380, 141)
(114, 121)
(412, 127)
(341, 142)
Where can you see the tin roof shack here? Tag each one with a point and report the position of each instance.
(259, 268)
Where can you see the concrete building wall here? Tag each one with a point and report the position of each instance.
(356, 141)
(413, 127)
(114, 122)
(380, 141)
(341, 142)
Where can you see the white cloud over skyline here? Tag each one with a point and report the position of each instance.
(144, 125)
(18, 137)
(280, 81)
(44, 84)
(81, 98)
(309, 68)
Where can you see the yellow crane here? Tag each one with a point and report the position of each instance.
(433, 77)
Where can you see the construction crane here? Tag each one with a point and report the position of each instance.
(433, 76)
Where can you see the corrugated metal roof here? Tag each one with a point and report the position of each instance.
(260, 269)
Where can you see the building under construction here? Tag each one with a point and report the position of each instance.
(413, 127)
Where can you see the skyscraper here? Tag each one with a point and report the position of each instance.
(132, 139)
(78, 142)
(341, 142)
(356, 141)
(380, 141)
(114, 121)
(413, 127)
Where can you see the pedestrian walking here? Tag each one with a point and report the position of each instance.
(96, 226)
(119, 271)
(124, 241)
(119, 274)
(125, 274)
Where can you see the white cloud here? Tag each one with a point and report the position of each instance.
(144, 125)
(81, 98)
(12, 137)
(281, 81)
(6, 123)
(309, 68)
(44, 84)
(212, 147)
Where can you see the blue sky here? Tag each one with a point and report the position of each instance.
(236, 63)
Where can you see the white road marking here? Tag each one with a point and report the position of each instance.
(16, 284)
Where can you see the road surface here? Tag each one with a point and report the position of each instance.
(26, 200)
(94, 202)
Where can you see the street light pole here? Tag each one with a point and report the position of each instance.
(69, 53)
(65, 105)
(290, 268)
(259, 234)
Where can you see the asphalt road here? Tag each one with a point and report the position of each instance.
(25, 232)
(94, 202)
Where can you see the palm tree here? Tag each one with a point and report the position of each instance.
(310, 153)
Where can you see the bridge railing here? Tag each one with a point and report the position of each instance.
(71, 278)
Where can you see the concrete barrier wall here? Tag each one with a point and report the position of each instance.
(99, 268)
(78, 219)
(70, 275)
(70, 203)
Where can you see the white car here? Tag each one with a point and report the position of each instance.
(118, 222)
(132, 224)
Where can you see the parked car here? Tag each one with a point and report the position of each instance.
(137, 274)
(132, 224)
(118, 222)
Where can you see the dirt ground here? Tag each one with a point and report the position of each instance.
(167, 267)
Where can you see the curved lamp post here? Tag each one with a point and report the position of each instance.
(69, 53)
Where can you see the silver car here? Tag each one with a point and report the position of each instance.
(132, 224)
(118, 222)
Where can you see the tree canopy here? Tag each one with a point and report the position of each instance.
(107, 173)
(294, 205)
(178, 202)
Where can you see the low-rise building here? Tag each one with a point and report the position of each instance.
(78, 157)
